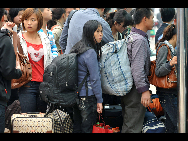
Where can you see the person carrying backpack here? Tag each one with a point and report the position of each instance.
(9, 69)
(88, 49)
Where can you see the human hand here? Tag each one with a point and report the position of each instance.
(9, 26)
(146, 98)
(173, 61)
(99, 107)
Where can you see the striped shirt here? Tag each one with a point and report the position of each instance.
(138, 50)
(52, 42)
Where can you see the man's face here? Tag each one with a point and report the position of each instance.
(68, 10)
(150, 22)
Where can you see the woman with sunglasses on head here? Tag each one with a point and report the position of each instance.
(118, 22)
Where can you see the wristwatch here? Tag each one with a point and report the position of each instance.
(4, 30)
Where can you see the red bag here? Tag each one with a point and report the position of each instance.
(101, 127)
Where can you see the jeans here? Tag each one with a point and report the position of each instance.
(29, 97)
(2, 118)
(169, 103)
(85, 115)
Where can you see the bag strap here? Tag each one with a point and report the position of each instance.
(62, 128)
(20, 49)
(70, 16)
(101, 118)
(169, 56)
(81, 84)
(169, 51)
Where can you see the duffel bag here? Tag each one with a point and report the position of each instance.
(116, 77)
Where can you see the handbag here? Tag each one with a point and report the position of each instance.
(155, 106)
(168, 81)
(62, 122)
(102, 128)
(26, 72)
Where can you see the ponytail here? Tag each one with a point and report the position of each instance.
(168, 33)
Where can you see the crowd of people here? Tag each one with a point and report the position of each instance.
(45, 33)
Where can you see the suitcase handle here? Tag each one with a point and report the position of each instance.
(33, 112)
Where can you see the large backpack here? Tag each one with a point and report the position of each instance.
(116, 77)
(60, 81)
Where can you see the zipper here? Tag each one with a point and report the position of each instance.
(67, 70)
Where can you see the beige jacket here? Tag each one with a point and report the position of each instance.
(57, 30)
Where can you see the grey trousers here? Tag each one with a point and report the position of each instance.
(133, 112)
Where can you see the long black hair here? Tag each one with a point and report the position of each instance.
(88, 35)
(13, 12)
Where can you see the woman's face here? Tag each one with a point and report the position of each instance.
(31, 23)
(98, 34)
(119, 27)
(17, 19)
(47, 14)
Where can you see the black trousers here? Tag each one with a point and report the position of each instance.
(169, 103)
(85, 115)
(133, 112)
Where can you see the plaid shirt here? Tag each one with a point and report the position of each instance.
(139, 55)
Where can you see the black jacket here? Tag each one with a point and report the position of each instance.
(8, 69)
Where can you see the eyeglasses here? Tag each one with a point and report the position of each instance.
(123, 25)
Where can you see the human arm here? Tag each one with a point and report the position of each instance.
(93, 68)
(138, 63)
(8, 60)
(63, 37)
(163, 66)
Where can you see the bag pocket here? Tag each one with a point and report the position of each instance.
(45, 89)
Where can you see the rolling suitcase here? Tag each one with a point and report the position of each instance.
(113, 115)
(34, 122)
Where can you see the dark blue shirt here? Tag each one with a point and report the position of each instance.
(88, 60)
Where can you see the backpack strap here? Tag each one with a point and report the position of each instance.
(70, 16)
(81, 84)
